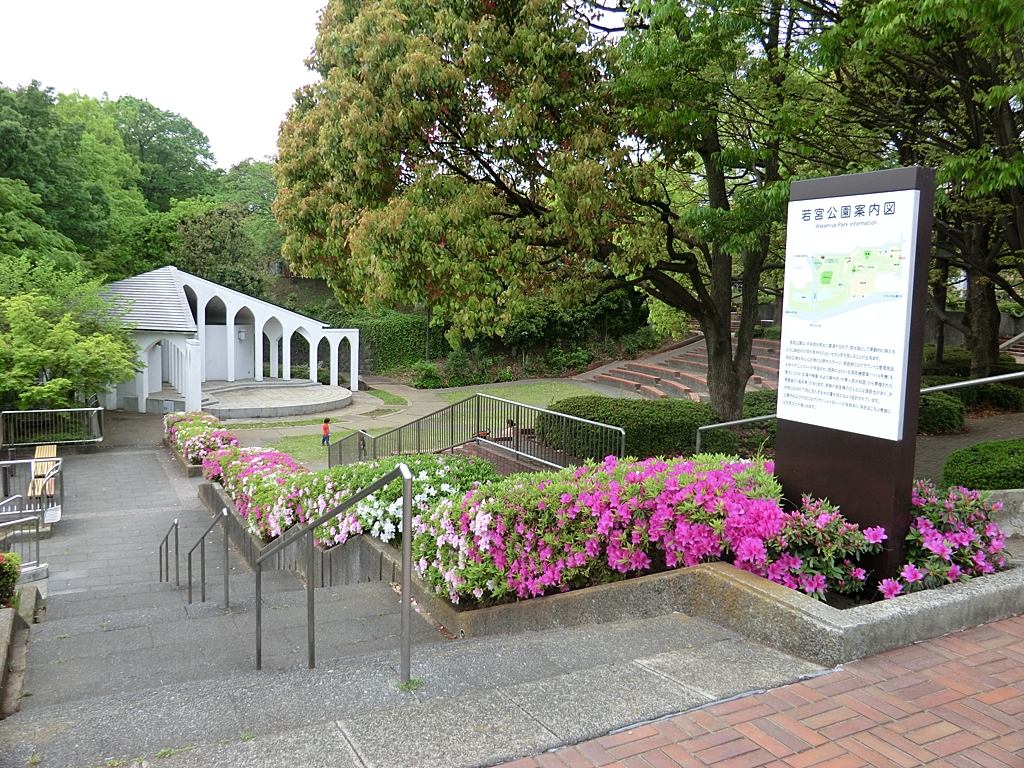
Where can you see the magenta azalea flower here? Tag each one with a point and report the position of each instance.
(911, 573)
(890, 588)
(875, 535)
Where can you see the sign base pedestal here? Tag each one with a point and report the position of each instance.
(868, 478)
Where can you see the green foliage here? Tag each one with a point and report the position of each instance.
(653, 427)
(986, 466)
(772, 332)
(10, 572)
(762, 403)
(393, 339)
(427, 376)
(388, 398)
(996, 395)
(939, 413)
(175, 162)
(250, 186)
(59, 339)
(213, 243)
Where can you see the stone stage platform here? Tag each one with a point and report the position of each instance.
(250, 399)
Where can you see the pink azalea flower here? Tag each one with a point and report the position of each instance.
(911, 574)
(875, 535)
(859, 573)
(890, 588)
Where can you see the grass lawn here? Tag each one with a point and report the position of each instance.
(388, 398)
(272, 424)
(305, 448)
(542, 394)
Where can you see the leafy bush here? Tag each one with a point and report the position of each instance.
(197, 434)
(956, 362)
(762, 403)
(950, 540)
(939, 413)
(986, 466)
(773, 332)
(1001, 395)
(532, 535)
(653, 427)
(10, 572)
(427, 376)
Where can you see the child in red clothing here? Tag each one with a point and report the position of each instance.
(326, 440)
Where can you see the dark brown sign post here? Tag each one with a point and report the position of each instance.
(857, 255)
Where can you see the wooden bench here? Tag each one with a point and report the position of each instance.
(45, 460)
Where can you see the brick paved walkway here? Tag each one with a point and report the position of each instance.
(953, 701)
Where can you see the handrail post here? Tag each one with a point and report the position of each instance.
(190, 578)
(259, 615)
(227, 565)
(310, 608)
(406, 573)
(160, 562)
(177, 557)
(202, 569)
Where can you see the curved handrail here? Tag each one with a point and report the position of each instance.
(307, 530)
(925, 391)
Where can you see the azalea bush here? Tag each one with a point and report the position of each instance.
(952, 539)
(10, 572)
(536, 534)
(197, 434)
(255, 479)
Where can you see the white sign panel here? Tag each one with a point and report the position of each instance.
(846, 312)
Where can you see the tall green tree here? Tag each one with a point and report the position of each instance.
(174, 156)
(40, 149)
(474, 155)
(250, 187)
(942, 83)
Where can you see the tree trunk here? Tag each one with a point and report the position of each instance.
(982, 320)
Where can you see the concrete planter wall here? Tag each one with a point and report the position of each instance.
(1010, 518)
(754, 607)
(191, 470)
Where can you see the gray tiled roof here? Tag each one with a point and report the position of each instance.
(159, 302)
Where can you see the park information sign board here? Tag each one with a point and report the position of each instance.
(846, 311)
(857, 255)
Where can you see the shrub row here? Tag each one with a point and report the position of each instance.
(196, 434)
(987, 466)
(10, 572)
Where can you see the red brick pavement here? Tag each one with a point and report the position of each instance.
(953, 701)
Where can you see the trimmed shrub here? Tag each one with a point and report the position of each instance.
(988, 466)
(197, 434)
(1001, 395)
(653, 427)
(427, 376)
(762, 403)
(10, 572)
(940, 413)
(956, 362)
(773, 332)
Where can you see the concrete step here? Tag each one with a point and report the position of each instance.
(652, 393)
(617, 381)
(112, 652)
(482, 701)
(629, 373)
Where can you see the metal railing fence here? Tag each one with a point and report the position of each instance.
(38, 482)
(307, 530)
(19, 533)
(925, 391)
(62, 425)
(163, 556)
(221, 518)
(535, 433)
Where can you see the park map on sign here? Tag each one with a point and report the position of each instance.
(824, 285)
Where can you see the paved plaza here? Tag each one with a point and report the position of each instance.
(124, 669)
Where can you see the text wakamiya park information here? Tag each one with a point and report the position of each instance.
(857, 254)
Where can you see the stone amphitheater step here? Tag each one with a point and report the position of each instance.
(669, 382)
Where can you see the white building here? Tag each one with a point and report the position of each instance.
(190, 330)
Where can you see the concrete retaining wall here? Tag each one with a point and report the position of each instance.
(749, 605)
(190, 469)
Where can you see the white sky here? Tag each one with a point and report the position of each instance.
(229, 66)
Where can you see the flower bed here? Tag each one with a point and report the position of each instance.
(194, 435)
(481, 540)
(554, 532)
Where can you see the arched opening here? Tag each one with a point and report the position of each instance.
(193, 303)
(300, 353)
(323, 358)
(245, 344)
(216, 340)
(345, 363)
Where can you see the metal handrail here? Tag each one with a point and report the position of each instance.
(466, 420)
(925, 391)
(202, 560)
(401, 471)
(26, 565)
(163, 556)
(14, 431)
(1010, 342)
(32, 489)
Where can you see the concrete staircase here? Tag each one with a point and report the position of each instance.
(124, 672)
(682, 372)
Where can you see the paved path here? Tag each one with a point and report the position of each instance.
(953, 701)
(933, 450)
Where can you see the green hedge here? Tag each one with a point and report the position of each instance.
(998, 395)
(986, 466)
(772, 332)
(939, 413)
(653, 427)
(10, 572)
(956, 362)
(762, 403)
